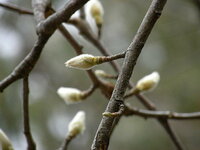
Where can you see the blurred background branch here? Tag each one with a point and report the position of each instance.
(107, 87)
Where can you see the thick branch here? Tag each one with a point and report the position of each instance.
(86, 32)
(27, 131)
(39, 9)
(102, 137)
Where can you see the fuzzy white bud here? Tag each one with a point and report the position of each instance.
(100, 73)
(70, 95)
(77, 125)
(83, 62)
(148, 82)
(5, 143)
(96, 10)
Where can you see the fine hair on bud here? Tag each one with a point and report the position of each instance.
(77, 124)
(70, 95)
(83, 62)
(148, 82)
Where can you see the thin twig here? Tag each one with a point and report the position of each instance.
(65, 144)
(27, 130)
(161, 114)
(163, 121)
(89, 91)
(102, 137)
(16, 8)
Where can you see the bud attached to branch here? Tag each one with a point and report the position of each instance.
(103, 74)
(77, 125)
(70, 95)
(87, 61)
(5, 143)
(148, 82)
(97, 12)
(83, 62)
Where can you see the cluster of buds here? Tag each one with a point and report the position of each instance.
(5, 143)
(77, 125)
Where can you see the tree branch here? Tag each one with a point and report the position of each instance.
(45, 29)
(85, 31)
(27, 131)
(65, 144)
(15, 8)
(102, 137)
(161, 114)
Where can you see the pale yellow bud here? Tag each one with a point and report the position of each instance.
(83, 62)
(70, 95)
(100, 73)
(97, 11)
(77, 125)
(148, 82)
(86, 61)
(5, 143)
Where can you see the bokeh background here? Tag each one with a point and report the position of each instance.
(173, 49)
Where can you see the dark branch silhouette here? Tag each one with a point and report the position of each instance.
(27, 130)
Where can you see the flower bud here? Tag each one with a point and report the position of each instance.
(84, 62)
(70, 95)
(5, 142)
(77, 125)
(100, 73)
(148, 82)
(97, 12)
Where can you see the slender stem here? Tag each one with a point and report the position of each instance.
(16, 8)
(163, 121)
(27, 130)
(161, 114)
(110, 58)
(65, 144)
(89, 91)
